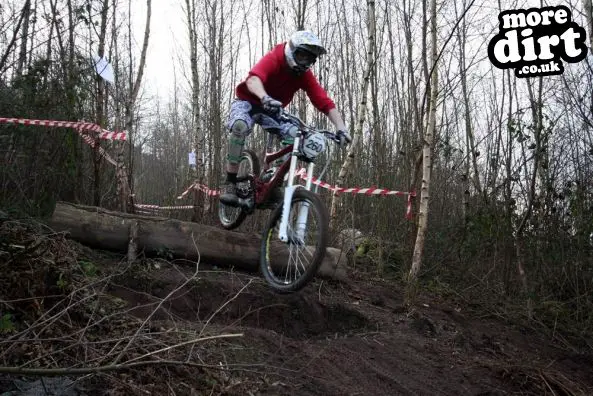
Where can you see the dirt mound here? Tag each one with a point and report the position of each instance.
(358, 339)
(299, 316)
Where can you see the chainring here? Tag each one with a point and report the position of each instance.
(245, 187)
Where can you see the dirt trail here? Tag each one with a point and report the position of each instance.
(358, 339)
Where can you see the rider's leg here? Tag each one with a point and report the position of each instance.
(286, 130)
(239, 131)
(240, 126)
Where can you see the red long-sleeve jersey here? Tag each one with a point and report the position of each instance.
(281, 83)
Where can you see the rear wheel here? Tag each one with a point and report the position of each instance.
(231, 217)
(288, 267)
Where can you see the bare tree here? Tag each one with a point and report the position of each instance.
(427, 151)
(100, 109)
(23, 16)
(537, 119)
(588, 10)
(471, 150)
(192, 24)
(362, 106)
(24, 37)
(134, 85)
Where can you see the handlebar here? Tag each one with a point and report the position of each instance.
(286, 116)
(283, 115)
(330, 135)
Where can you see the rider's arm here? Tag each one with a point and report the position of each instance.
(336, 118)
(256, 87)
(316, 93)
(263, 69)
(322, 101)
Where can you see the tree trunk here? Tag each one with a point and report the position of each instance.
(24, 13)
(198, 175)
(22, 60)
(215, 29)
(362, 107)
(472, 154)
(104, 229)
(123, 181)
(588, 10)
(537, 116)
(300, 12)
(300, 16)
(427, 155)
(100, 107)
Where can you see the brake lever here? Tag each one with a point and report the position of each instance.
(332, 136)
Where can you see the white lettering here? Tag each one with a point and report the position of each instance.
(530, 54)
(561, 16)
(513, 21)
(534, 18)
(546, 15)
(507, 50)
(545, 43)
(569, 37)
(523, 45)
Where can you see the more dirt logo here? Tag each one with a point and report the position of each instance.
(535, 41)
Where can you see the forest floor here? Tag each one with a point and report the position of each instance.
(179, 328)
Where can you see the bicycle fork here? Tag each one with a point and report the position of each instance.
(298, 234)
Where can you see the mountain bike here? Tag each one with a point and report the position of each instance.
(295, 237)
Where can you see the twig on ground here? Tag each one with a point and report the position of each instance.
(154, 312)
(223, 306)
(190, 342)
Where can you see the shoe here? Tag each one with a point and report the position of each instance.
(228, 195)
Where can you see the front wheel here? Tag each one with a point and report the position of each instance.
(231, 217)
(288, 267)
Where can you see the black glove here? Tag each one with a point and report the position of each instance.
(344, 137)
(270, 104)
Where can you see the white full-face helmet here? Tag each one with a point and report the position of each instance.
(302, 50)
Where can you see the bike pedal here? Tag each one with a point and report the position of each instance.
(246, 204)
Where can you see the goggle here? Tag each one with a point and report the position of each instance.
(304, 57)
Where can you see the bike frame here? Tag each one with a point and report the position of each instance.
(264, 189)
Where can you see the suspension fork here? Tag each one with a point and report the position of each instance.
(288, 193)
(304, 209)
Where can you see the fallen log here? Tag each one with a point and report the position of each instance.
(122, 232)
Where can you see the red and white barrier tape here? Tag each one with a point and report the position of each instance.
(353, 190)
(303, 175)
(80, 127)
(85, 126)
(357, 190)
(156, 207)
(205, 189)
(91, 142)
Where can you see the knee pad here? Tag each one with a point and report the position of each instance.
(240, 129)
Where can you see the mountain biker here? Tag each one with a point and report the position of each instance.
(270, 86)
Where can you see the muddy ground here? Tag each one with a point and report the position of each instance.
(359, 339)
(354, 338)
